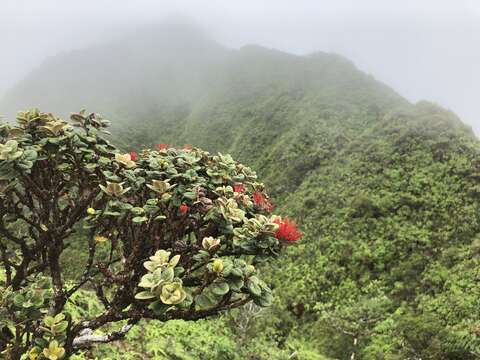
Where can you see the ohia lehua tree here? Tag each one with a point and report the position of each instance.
(168, 234)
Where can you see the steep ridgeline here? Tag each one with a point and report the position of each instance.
(155, 67)
(391, 260)
(387, 192)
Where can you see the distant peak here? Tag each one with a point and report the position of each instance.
(334, 56)
(262, 50)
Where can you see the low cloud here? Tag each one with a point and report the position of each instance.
(424, 50)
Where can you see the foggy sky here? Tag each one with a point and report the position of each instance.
(424, 49)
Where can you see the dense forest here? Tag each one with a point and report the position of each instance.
(386, 193)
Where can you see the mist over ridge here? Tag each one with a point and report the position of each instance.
(308, 116)
(424, 50)
(175, 62)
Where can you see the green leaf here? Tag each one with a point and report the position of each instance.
(236, 284)
(49, 321)
(236, 272)
(146, 281)
(111, 213)
(157, 307)
(168, 274)
(204, 302)
(253, 288)
(139, 219)
(18, 300)
(265, 300)
(174, 261)
(144, 295)
(190, 195)
(59, 317)
(125, 206)
(137, 210)
(219, 289)
(61, 327)
(227, 268)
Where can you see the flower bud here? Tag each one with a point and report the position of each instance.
(125, 160)
(91, 211)
(114, 189)
(217, 266)
(209, 243)
(100, 238)
(160, 186)
(183, 208)
(166, 196)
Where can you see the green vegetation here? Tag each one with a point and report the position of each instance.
(388, 199)
(387, 194)
(172, 234)
(393, 221)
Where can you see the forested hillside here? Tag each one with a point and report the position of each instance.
(387, 193)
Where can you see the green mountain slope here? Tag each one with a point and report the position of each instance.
(393, 221)
(386, 191)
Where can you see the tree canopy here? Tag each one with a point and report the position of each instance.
(172, 234)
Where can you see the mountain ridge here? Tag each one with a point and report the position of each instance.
(73, 67)
(380, 186)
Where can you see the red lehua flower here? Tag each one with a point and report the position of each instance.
(160, 147)
(238, 188)
(133, 155)
(267, 206)
(183, 208)
(262, 202)
(287, 230)
(187, 147)
(258, 198)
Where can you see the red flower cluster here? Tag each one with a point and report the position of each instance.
(160, 147)
(238, 188)
(262, 202)
(287, 230)
(268, 206)
(187, 147)
(133, 155)
(183, 208)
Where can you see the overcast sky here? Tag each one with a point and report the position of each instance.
(424, 49)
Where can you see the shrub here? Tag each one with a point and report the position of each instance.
(172, 234)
